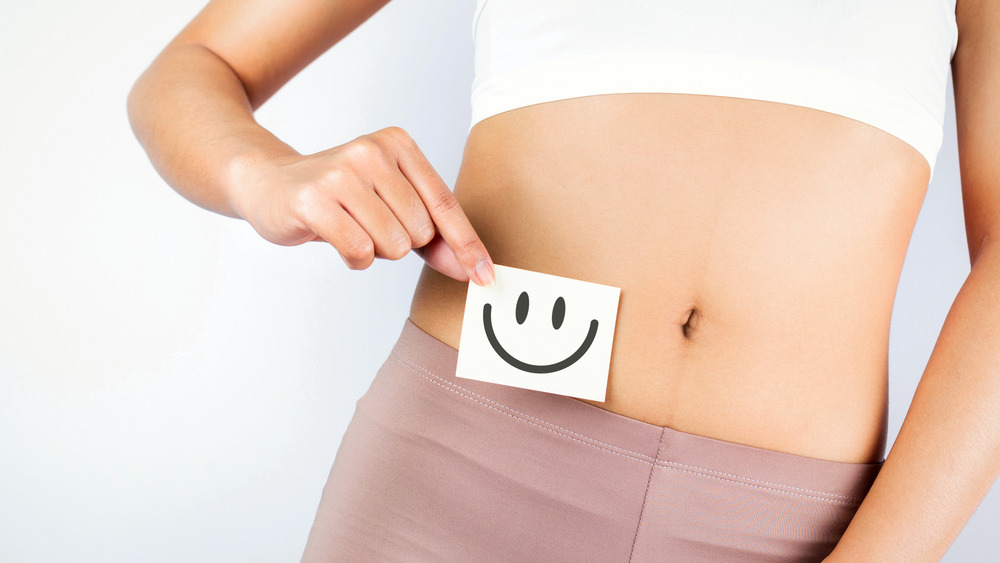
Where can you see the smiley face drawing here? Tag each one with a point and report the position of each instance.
(521, 313)
(540, 332)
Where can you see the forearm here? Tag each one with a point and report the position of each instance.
(947, 454)
(192, 115)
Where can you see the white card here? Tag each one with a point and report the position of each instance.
(539, 331)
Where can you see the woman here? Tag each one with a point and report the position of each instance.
(748, 174)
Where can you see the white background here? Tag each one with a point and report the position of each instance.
(172, 386)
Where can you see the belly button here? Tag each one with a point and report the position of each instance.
(691, 324)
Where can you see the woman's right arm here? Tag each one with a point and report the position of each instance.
(375, 196)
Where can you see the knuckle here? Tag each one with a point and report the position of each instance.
(396, 253)
(400, 246)
(363, 150)
(358, 252)
(397, 134)
(356, 264)
(334, 177)
(444, 203)
(317, 195)
(424, 233)
(307, 200)
(467, 246)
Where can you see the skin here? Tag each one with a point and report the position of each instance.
(758, 245)
(788, 258)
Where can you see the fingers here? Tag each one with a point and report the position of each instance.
(334, 224)
(397, 193)
(379, 196)
(391, 239)
(444, 210)
(441, 258)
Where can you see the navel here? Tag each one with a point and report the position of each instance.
(691, 324)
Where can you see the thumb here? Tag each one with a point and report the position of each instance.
(439, 256)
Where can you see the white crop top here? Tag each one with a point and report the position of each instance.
(882, 62)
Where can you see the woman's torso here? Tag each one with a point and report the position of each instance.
(783, 228)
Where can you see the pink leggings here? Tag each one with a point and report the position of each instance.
(434, 468)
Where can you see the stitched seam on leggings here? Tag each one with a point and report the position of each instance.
(645, 497)
(741, 479)
(537, 421)
(515, 417)
(461, 391)
(812, 497)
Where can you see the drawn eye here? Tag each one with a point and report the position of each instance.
(521, 312)
(558, 313)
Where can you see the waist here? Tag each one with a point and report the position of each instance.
(800, 379)
(757, 280)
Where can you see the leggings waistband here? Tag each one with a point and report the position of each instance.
(843, 482)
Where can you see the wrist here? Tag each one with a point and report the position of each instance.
(245, 171)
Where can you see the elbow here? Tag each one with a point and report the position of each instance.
(131, 109)
(976, 249)
(134, 107)
(141, 99)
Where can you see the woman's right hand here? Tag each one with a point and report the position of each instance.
(376, 196)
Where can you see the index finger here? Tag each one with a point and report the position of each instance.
(445, 211)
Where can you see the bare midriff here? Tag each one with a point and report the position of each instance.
(757, 245)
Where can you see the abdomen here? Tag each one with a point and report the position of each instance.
(757, 245)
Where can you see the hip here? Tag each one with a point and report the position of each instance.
(437, 468)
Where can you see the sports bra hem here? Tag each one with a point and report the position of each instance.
(827, 89)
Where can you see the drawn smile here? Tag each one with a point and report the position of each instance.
(533, 368)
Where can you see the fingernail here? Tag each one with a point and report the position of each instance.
(484, 273)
